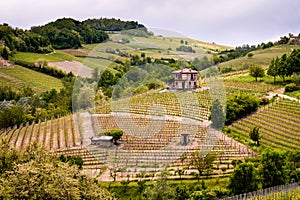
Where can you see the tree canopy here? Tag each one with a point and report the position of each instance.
(238, 106)
(37, 174)
(257, 71)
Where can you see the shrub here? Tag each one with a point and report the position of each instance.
(291, 87)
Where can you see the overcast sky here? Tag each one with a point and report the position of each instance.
(228, 22)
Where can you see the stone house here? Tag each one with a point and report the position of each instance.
(185, 79)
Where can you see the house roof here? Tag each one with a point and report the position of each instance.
(185, 71)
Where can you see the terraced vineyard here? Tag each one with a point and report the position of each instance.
(152, 142)
(51, 134)
(279, 125)
(189, 105)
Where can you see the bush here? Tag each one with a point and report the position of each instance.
(291, 87)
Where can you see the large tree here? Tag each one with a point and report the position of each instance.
(38, 174)
(273, 168)
(243, 179)
(203, 162)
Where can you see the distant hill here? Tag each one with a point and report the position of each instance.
(106, 24)
(61, 34)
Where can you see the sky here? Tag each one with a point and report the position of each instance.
(227, 22)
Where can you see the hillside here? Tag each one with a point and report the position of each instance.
(261, 57)
(278, 122)
(19, 77)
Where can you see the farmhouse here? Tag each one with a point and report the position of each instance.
(185, 79)
(102, 141)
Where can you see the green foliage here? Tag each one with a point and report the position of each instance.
(37, 174)
(238, 106)
(203, 162)
(201, 63)
(257, 71)
(69, 33)
(243, 179)
(273, 69)
(25, 106)
(182, 192)
(285, 65)
(115, 133)
(4, 53)
(185, 49)
(275, 168)
(217, 115)
(161, 189)
(26, 41)
(14, 115)
(72, 160)
(250, 55)
(112, 24)
(290, 87)
(254, 135)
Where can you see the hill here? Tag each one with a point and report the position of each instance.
(19, 77)
(261, 57)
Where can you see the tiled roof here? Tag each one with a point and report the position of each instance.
(185, 71)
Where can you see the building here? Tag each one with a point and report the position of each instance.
(185, 79)
(102, 141)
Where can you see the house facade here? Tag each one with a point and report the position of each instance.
(185, 79)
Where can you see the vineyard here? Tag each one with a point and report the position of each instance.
(291, 191)
(19, 77)
(279, 125)
(52, 134)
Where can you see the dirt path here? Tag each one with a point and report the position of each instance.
(75, 67)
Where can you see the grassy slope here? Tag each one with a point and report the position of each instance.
(18, 77)
(260, 57)
(56, 56)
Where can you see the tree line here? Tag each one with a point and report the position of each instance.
(60, 34)
(285, 66)
(24, 105)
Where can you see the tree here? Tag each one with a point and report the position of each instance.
(254, 135)
(217, 115)
(116, 134)
(275, 168)
(243, 179)
(282, 67)
(273, 68)
(257, 71)
(216, 59)
(5, 53)
(182, 192)
(161, 189)
(203, 162)
(238, 106)
(37, 174)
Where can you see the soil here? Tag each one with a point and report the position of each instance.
(75, 67)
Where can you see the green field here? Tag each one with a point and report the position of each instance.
(56, 56)
(19, 77)
(260, 57)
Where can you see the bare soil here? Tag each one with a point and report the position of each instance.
(75, 67)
